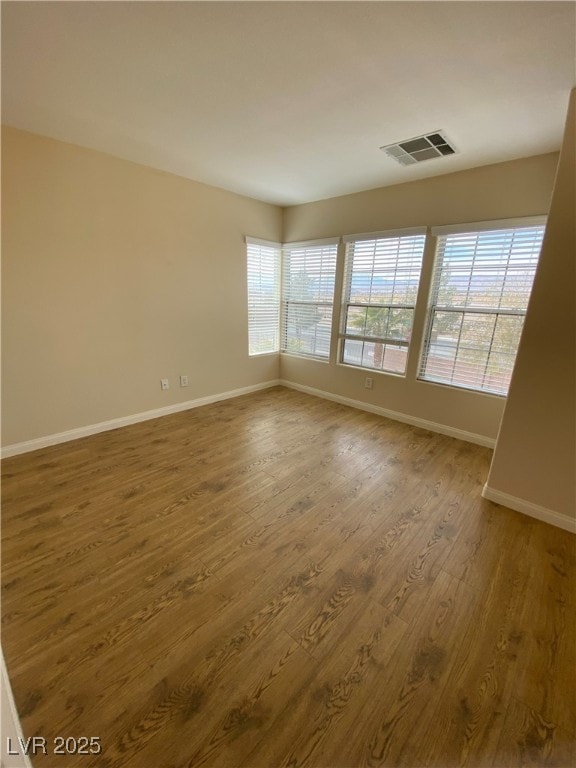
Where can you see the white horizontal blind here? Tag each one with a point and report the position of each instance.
(308, 278)
(263, 272)
(480, 291)
(380, 289)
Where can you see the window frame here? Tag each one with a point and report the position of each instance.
(258, 304)
(347, 303)
(289, 301)
(434, 307)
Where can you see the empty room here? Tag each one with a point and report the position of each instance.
(288, 384)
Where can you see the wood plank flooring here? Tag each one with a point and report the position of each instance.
(279, 581)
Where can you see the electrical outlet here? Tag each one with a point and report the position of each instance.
(164, 383)
(183, 381)
(368, 382)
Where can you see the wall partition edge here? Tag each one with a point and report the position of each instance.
(12, 735)
(525, 507)
(124, 421)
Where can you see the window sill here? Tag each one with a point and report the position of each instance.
(323, 360)
(370, 371)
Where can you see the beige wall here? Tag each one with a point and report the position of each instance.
(535, 457)
(114, 276)
(107, 268)
(514, 189)
(517, 188)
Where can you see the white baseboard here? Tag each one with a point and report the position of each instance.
(530, 509)
(124, 421)
(460, 434)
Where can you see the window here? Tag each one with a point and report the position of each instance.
(480, 290)
(380, 289)
(308, 277)
(263, 271)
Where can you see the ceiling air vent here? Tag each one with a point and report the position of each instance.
(420, 148)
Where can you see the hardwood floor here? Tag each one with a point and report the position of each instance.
(280, 581)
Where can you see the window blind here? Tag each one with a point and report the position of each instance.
(381, 284)
(263, 277)
(479, 296)
(308, 278)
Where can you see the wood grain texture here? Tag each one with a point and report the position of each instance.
(279, 581)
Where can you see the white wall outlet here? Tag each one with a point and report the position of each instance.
(183, 381)
(368, 382)
(164, 383)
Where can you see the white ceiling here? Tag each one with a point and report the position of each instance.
(290, 101)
